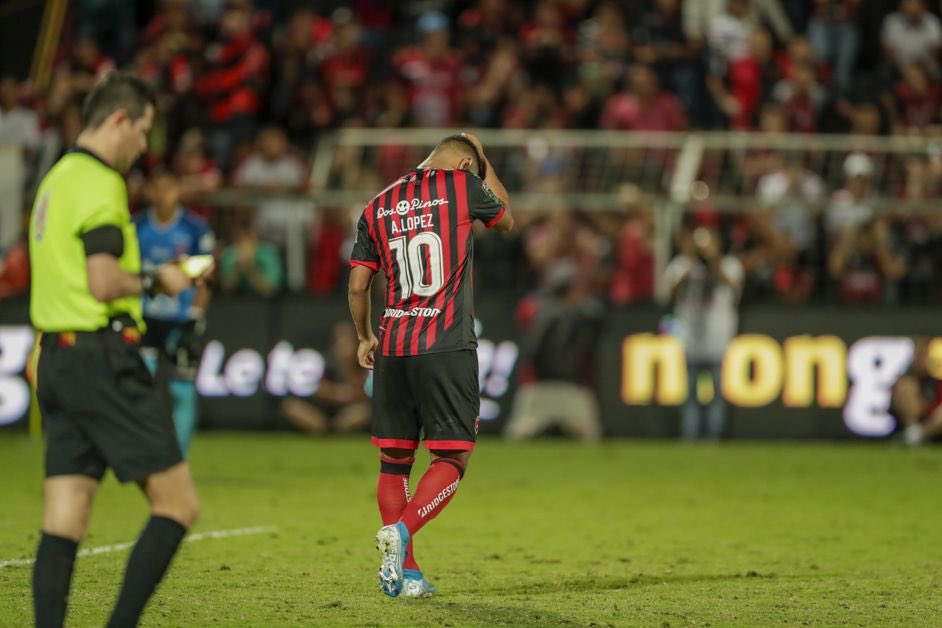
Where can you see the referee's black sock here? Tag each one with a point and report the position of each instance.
(52, 577)
(148, 562)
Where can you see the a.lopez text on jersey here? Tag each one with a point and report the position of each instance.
(418, 230)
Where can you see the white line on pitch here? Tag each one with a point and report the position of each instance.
(119, 547)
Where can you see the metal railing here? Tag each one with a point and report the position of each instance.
(587, 171)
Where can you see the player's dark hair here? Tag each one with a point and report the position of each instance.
(118, 90)
(465, 145)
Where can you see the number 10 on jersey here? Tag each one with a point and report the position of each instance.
(412, 273)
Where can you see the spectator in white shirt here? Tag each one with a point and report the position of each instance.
(912, 35)
(18, 128)
(795, 194)
(275, 169)
(18, 125)
(731, 31)
(852, 206)
(699, 14)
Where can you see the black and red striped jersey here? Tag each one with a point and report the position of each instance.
(418, 230)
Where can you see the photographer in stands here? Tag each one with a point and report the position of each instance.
(705, 287)
(562, 326)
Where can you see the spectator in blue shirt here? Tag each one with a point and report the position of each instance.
(168, 231)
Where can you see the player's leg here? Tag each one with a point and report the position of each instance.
(396, 432)
(449, 408)
(183, 393)
(436, 488)
(392, 491)
(448, 404)
(67, 507)
(174, 509)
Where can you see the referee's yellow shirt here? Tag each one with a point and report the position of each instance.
(80, 193)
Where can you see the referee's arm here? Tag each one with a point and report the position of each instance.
(107, 282)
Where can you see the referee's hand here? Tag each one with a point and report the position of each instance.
(366, 352)
(172, 280)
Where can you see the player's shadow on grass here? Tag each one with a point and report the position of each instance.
(464, 613)
(614, 583)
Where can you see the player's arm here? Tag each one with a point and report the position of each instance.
(492, 181)
(107, 281)
(358, 295)
(505, 221)
(364, 262)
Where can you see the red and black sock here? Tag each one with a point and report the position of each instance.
(435, 490)
(392, 493)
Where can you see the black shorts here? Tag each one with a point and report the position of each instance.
(434, 393)
(101, 407)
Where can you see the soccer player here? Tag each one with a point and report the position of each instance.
(167, 232)
(98, 400)
(425, 369)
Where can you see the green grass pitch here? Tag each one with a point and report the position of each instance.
(548, 533)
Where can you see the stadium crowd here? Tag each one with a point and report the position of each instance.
(248, 89)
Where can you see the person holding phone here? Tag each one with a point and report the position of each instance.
(173, 344)
(705, 286)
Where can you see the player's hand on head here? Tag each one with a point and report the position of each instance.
(366, 352)
(474, 140)
(172, 280)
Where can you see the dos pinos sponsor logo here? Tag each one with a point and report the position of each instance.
(404, 207)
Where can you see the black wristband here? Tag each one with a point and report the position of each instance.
(149, 283)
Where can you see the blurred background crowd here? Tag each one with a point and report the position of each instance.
(249, 89)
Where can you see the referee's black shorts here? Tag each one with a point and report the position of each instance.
(434, 393)
(101, 407)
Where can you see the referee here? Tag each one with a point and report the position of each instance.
(99, 403)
